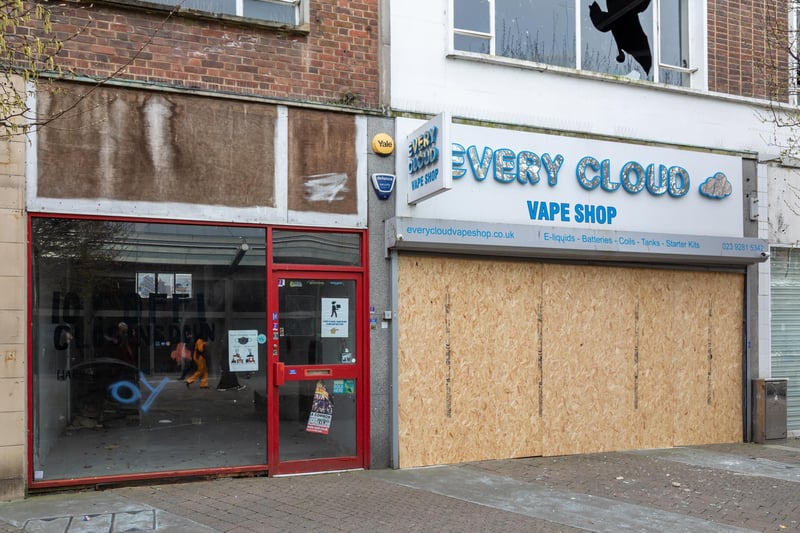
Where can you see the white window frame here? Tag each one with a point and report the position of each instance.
(794, 45)
(695, 36)
(301, 9)
(298, 19)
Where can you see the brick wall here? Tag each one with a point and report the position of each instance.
(335, 62)
(747, 52)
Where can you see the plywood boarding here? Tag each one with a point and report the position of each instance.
(125, 144)
(322, 162)
(709, 361)
(651, 363)
(588, 347)
(468, 337)
(631, 358)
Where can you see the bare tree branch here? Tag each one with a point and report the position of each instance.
(29, 54)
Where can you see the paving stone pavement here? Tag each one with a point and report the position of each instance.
(732, 487)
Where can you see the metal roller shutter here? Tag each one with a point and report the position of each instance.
(785, 305)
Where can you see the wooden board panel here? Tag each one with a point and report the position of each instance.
(494, 345)
(421, 360)
(653, 360)
(322, 162)
(133, 145)
(588, 359)
(468, 340)
(708, 360)
(727, 340)
(630, 358)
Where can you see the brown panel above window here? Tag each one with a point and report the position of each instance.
(134, 145)
(322, 162)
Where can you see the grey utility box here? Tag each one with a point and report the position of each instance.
(769, 409)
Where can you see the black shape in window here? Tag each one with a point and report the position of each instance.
(622, 20)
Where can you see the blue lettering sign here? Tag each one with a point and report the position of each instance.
(523, 167)
(588, 183)
(552, 166)
(480, 166)
(505, 165)
(459, 159)
(528, 165)
(561, 211)
(548, 210)
(422, 150)
(594, 214)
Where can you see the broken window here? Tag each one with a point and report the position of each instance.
(639, 39)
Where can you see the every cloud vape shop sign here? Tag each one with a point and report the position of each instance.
(429, 171)
(518, 177)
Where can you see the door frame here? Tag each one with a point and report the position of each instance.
(361, 373)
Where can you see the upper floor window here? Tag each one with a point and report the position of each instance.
(640, 39)
(280, 11)
(792, 45)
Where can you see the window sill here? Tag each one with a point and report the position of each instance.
(621, 80)
(566, 71)
(143, 5)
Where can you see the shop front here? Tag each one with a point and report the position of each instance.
(561, 295)
(192, 311)
(163, 348)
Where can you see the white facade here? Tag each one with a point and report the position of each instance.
(428, 77)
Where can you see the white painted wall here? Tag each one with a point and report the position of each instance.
(784, 206)
(424, 80)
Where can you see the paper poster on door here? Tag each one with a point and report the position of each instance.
(319, 419)
(243, 350)
(335, 313)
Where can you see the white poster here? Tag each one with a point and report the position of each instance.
(145, 284)
(243, 350)
(183, 285)
(166, 284)
(335, 317)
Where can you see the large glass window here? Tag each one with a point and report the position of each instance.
(640, 39)
(123, 315)
(316, 248)
(282, 11)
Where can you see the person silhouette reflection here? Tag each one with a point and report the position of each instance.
(199, 358)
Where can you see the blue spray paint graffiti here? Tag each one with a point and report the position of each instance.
(133, 395)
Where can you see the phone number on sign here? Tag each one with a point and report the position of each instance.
(742, 247)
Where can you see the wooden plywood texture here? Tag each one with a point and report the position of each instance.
(470, 342)
(124, 144)
(322, 162)
(510, 359)
(588, 347)
(651, 363)
(709, 361)
(421, 340)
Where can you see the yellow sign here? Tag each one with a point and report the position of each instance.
(382, 144)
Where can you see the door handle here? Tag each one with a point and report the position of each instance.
(279, 369)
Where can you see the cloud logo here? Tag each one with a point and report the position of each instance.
(716, 187)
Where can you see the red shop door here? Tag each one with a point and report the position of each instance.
(318, 391)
